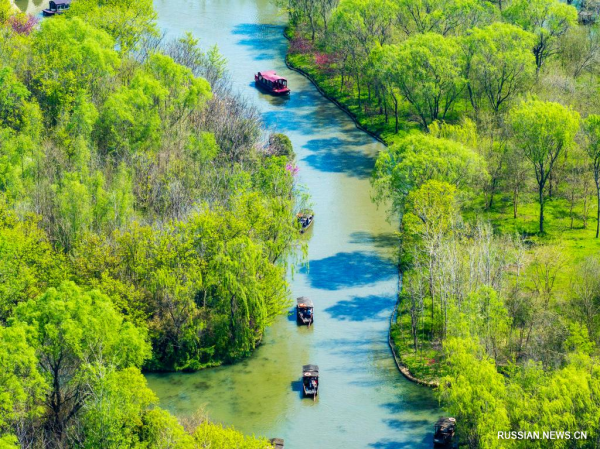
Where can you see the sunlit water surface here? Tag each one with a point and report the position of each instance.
(364, 401)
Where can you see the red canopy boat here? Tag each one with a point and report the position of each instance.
(273, 83)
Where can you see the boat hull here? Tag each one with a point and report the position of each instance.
(276, 92)
(303, 319)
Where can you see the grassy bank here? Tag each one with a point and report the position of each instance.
(317, 64)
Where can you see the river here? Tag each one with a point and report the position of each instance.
(364, 402)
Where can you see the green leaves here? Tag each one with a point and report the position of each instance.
(418, 158)
(544, 131)
(547, 19)
(70, 56)
(499, 63)
(128, 21)
(427, 73)
(22, 387)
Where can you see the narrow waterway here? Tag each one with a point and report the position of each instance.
(364, 401)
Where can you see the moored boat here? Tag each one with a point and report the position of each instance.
(443, 432)
(57, 7)
(305, 219)
(271, 82)
(277, 443)
(310, 380)
(305, 310)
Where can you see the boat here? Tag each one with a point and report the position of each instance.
(277, 443)
(310, 380)
(305, 220)
(57, 7)
(305, 310)
(443, 432)
(271, 82)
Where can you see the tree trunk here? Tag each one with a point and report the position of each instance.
(396, 112)
(492, 190)
(597, 180)
(598, 211)
(541, 192)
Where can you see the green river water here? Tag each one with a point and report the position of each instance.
(363, 400)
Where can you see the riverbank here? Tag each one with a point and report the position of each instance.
(418, 368)
(375, 120)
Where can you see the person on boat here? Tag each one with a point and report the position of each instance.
(308, 314)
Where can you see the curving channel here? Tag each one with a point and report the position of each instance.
(364, 402)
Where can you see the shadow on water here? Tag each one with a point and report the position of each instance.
(291, 316)
(391, 444)
(361, 308)
(349, 270)
(333, 156)
(383, 240)
(293, 119)
(265, 40)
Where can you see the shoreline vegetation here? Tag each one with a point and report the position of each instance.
(416, 368)
(489, 114)
(145, 224)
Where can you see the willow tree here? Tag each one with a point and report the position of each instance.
(411, 162)
(549, 20)
(499, 64)
(591, 127)
(544, 131)
(428, 74)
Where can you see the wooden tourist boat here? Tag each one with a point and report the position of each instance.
(305, 310)
(57, 7)
(271, 82)
(277, 443)
(305, 219)
(443, 432)
(310, 380)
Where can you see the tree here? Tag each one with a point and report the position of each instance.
(475, 393)
(127, 22)
(544, 131)
(591, 128)
(499, 64)
(116, 407)
(22, 387)
(162, 431)
(58, 72)
(442, 16)
(431, 213)
(28, 264)
(74, 331)
(428, 74)
(215, 436)
(412, 161)
(547, 19)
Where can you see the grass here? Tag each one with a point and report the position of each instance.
(426, 363)
(366, 113)
(576, 241)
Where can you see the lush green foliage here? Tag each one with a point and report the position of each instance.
(490, 113)
(145, 223)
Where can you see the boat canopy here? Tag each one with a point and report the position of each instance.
(303, 301)
(445, 424)
(310, 370)
(271, 76)
(57, 3)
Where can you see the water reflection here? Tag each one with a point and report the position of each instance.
(33, 7)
